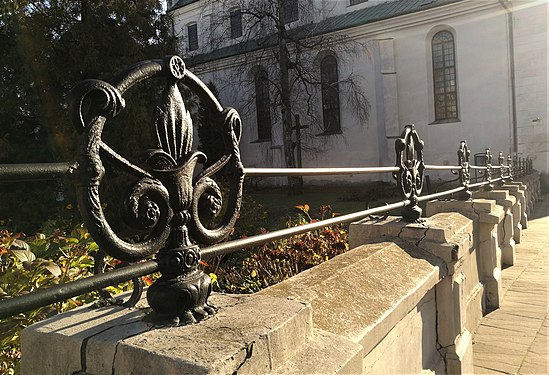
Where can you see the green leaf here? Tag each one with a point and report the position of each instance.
(19, 244)
(54, 269)
(70, 240)
(92, 247)
(24, 255)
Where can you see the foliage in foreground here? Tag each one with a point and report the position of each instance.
(276, 261)
(29, 263)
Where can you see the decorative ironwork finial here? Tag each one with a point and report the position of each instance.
(167, 201)
(464, 156)
(488, 164)
(409, 160)
(500, 164)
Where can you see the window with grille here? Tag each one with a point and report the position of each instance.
(330, 94)
(291, 10)
(263, 104)
(192, 33)
(236, 23)
(444, 76)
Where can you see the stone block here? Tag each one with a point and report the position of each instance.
(362, 294)
(519, 193)
(408, 347)
(324, 353)
(448, 236)
(248, 335)
(506, 228)
(460, 359)
(54, 345)
(486, 216)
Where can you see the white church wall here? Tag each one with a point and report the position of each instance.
(531, 72)
(394, 68)
(482, 81)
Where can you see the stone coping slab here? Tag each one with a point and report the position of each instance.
(249, 334)
(362, 294)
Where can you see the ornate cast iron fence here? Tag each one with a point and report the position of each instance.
(169, 202)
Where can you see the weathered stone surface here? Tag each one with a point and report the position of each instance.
(519, 212)
(53, 346)
(527, 210)
(324, 353)
(459, 359)
(115, 340)
(448, 236)
(505, 229)
(486, 216)
(230, 341)
(361, 295)
(408, 347)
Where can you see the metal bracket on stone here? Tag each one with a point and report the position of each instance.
(465, 172)
(409, 160)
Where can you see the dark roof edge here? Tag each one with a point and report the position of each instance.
(181, 4)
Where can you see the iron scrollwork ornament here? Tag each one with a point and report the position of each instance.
(167, 201)
(489, 172)
(501, 166)
(409, 160)
(464, 155)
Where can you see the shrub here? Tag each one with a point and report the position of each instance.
(276, 261)
(29, 263)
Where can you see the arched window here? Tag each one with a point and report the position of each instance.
(330, 94)
(444, 76)
(262, 104)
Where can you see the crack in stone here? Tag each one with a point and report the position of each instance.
(439, 347)
(475, 210)
(418, 307)
(480, 242)
(422, 238)
(85, 341)
(400, 232)
(249, 353)
(84, 346)
(491, 369)
(113, 369)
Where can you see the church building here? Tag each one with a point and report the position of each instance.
(355, 72)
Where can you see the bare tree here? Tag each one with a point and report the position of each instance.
(275, 36)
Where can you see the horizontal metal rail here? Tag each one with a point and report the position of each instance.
(229, 247)
(58, 293)
(62, 292)
(478, 184)
(34, 171)
(443, 167)
(440, 194)
(273, 172)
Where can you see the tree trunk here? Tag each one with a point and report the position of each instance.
(294, 186)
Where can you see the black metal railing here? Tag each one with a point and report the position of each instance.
(168, 202)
